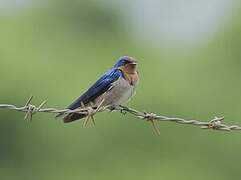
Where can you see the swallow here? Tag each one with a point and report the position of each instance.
(113, 88)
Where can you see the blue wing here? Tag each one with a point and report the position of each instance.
(97, 89)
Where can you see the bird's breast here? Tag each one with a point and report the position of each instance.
(120, 92)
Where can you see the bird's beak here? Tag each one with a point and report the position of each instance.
(133, 63)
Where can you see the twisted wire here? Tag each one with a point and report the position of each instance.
(30, 110)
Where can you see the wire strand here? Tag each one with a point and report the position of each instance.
(30, 110)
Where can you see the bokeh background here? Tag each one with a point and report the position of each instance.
(189, 55)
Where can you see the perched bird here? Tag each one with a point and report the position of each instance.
(114, 88)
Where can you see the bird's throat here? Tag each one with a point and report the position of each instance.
(130, 74)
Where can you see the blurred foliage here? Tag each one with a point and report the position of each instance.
(55, 51)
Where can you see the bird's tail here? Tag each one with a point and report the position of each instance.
(73, 116)
(59, 115)
(70, 117)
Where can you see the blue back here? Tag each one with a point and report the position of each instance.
(98, 88)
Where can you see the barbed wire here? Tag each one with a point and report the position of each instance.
(30, 110)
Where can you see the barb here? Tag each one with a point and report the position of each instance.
(30, 110)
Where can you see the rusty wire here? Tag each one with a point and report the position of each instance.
(30, 110)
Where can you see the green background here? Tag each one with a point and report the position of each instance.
(57, 50)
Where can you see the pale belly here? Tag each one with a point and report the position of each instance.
(120, 93)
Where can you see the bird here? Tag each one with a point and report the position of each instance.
(113, 88)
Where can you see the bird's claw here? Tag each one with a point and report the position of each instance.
(122, 111)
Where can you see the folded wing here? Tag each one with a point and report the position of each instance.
(97, 89)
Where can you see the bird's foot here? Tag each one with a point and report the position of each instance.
(123, 110)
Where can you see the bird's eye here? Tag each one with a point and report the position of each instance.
(124, 61)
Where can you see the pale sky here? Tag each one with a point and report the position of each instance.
(178, 22)
(172, 22)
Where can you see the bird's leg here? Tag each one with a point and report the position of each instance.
(112, 107)
(122, 109)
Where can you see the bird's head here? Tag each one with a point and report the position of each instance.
(126, 63)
